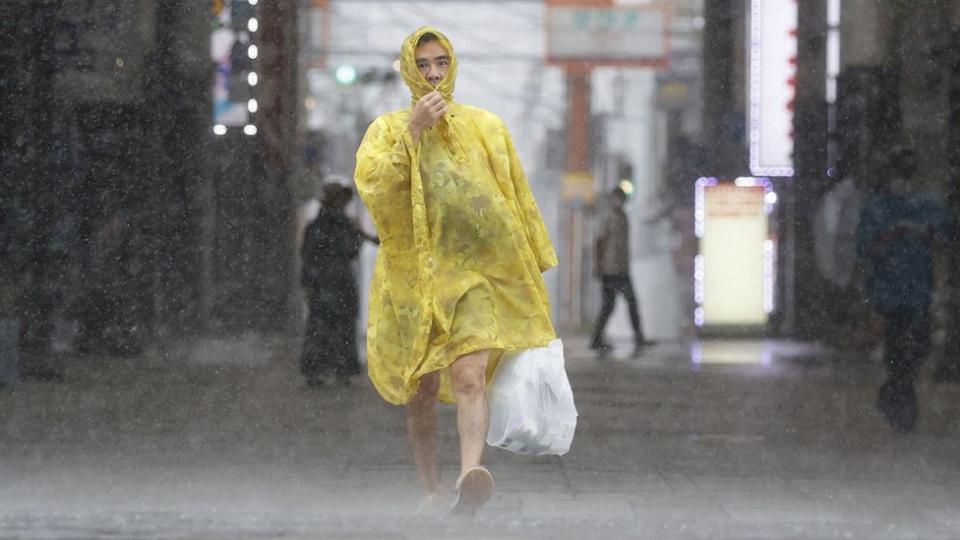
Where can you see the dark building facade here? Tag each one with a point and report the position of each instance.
(122, 214)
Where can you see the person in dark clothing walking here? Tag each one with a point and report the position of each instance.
(896, 235)
(330, 243)
(612, 266)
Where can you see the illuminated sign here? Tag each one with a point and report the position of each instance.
(233, 49)
(773, 73)
(734, 272)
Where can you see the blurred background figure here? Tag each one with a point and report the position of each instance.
(612, 267)
(330, 244)
(896, 234)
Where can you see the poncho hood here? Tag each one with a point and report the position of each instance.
(418, 85)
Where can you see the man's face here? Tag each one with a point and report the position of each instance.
(432, 61)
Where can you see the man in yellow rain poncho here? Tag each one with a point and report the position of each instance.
(458, 276)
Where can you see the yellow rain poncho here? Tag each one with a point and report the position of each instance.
(463, 243)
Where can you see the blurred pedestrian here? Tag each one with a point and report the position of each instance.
(458, 277)
(612, 267)
(330, 243)
(896, 234)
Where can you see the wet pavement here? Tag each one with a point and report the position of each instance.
(715, 439)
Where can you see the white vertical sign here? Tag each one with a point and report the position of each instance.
(773, 72)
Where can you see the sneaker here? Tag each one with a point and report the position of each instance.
(474, 489)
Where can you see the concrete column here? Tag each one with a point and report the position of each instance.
(949, 368)
(36, 315)
(806, 293)
(868, 102)
(721, 86)
(572, 217)
(282, 145)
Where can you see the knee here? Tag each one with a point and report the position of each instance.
(469, 384)
(469, 377)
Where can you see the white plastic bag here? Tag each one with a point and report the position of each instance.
(531, 403)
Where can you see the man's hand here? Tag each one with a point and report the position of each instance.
(426, 113)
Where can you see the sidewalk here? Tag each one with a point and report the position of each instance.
(708, 440)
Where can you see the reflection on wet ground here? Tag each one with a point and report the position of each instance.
(769, 353)
(754, 439)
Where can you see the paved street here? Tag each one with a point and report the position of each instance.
(221, 439)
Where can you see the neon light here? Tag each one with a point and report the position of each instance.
(698, 206)
(698, 275)
(833, 49)
(769, 275)
(346, 74)
(232, 105)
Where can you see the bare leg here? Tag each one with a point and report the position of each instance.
(468, 376)
(422, 430)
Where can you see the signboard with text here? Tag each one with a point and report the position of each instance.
(734, 270)
(607, 35)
